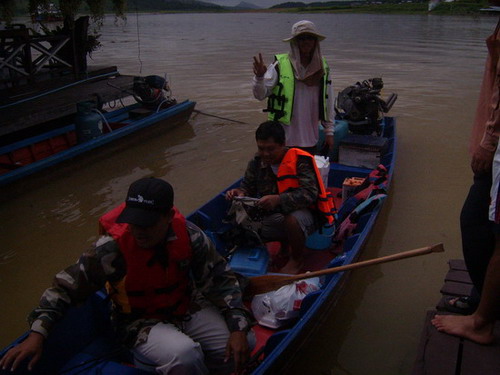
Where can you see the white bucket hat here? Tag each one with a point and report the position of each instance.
(304, 27)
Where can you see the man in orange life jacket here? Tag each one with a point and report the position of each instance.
(176, 303)
(289, 187)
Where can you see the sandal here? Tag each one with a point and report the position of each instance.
(460, 305)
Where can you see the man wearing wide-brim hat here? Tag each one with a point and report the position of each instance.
(298, 87)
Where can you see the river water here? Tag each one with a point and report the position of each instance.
(433, 63)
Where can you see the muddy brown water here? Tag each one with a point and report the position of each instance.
(433, 63)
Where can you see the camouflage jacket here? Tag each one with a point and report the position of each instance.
(211, 276)
(260, 180)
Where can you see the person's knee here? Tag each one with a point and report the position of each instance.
(184, 356)
(185, 359)
(291, 223)
(188, 353)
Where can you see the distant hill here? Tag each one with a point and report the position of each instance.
(244, 5)
(296, 4)
(165, 5)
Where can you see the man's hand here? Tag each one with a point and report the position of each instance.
(482, 160)
(230, 194)
(269, 202)
(31, 347)
(237, 346)
(259, 68)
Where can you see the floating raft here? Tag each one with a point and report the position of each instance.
(441, 354)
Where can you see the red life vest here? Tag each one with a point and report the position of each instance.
(151, 290)
(288, 179)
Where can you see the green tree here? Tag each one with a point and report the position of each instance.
(69, 8)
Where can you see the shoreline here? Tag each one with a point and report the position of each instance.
(455, 8)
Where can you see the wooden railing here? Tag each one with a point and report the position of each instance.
(23, 55)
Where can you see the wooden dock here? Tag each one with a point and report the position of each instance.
(27, 107)
(442, 354)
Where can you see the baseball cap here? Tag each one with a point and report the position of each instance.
(147, 199)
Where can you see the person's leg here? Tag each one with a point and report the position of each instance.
(296, 240)
(299, 224)
(209, 328)
(478, 239)
(169, 351)
(478, 327)
(291, 230)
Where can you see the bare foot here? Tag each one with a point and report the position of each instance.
(292, 267)
(464, 326)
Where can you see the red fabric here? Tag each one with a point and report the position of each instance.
(287, 178)
(149, 288)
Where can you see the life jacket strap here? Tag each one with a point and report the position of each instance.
(280, 100)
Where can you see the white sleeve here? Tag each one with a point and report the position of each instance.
(263, 86)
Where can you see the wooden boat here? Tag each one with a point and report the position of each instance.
(82, 343)
(34, 154)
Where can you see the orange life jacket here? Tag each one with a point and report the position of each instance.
(151, 290)
(288, 179)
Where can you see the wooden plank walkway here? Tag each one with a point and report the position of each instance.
(442, 354)
(51, 103)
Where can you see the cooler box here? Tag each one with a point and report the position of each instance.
(250, 261)
(362, 150)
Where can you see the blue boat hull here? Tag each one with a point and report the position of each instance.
(83, 344)
(121, 115)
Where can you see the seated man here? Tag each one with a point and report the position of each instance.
(176, 304)
(290, 189)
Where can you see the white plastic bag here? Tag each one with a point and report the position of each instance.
(323, 164)
(275, 308)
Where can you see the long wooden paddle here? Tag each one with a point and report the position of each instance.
(267, 283)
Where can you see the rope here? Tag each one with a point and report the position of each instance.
(219, 117)
(138, 38)
(104, 118)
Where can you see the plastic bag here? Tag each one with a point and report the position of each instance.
(323, 165)
(276, 308)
